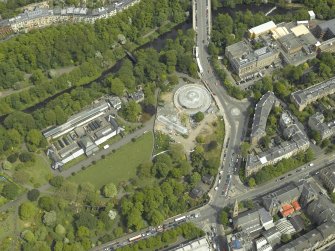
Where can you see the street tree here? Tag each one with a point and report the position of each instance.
(109, 190)
(223, 217)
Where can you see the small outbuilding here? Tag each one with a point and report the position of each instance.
(311, 15)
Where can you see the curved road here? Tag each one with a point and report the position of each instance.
(234, 111)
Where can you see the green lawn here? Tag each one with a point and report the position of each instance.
(40, 171)
(118, 166)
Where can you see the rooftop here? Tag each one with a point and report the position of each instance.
(262, 111)
(200, 244)
(262, 28)
(301, 97)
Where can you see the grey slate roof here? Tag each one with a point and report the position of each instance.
(262, 111)
(301, 97)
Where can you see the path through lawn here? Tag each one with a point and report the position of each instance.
(118, 166)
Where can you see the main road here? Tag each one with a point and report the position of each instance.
(234, 111)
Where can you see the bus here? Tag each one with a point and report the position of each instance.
(179, 219)
(199, 66)
(135, 238)
(196, 52)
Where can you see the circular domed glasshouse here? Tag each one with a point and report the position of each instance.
(192, 98)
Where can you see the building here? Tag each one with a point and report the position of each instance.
(289, 43)
(312, 240)
(200, 244)
(137, 96)
(40, 15)
(77, 120)
(261, 29)
(297, 143)
(207, 179)
(265, 218)
(308, 194)
(245, 61)
(311, 15)
(304, 97)
(285, 120)
(284, 226)
(273, 202)
(196, 192)
(249, 222)
(321, 210)
(325, 30)
(81, 134)
(262, 112)
(327, 176)
(240, 241)
(115, 102)
(297, 222)
(272, 236)
(253, 221)
(316, 123)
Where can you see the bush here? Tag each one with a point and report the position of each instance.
(46, 203)
(27, 210)
(199, 116)
(10, 191)
(25, 157)
(56, 181)
(33, 194)
(13, 157)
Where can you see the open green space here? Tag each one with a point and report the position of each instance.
(118, 166)
(38, 171)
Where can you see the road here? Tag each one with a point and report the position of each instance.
(148, 126)
(234, 111)
(208, 213)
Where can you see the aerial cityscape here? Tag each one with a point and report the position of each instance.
(203, 125)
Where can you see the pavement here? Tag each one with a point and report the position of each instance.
(148, 126)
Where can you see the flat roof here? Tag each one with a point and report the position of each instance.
(300, 30)
(263, 28)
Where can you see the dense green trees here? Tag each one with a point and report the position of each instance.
(224, 218)
(109, 190)
(33, 194)
(10, 191)
(269, 172)
(27, 210)
(199, 116)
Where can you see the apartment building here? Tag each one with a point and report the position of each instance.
(316, 123)
(302, 98)
(262, 112)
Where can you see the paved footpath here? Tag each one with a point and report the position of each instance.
(148, 126)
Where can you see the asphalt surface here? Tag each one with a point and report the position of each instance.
(148, 126)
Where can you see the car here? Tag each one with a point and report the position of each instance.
(220, 177)
(289, 174)
(221, 172)
(216, 188)
(311, 164)
(282, 178)
(219, 181)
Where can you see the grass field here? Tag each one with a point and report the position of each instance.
(39, 171)
(118, 166)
